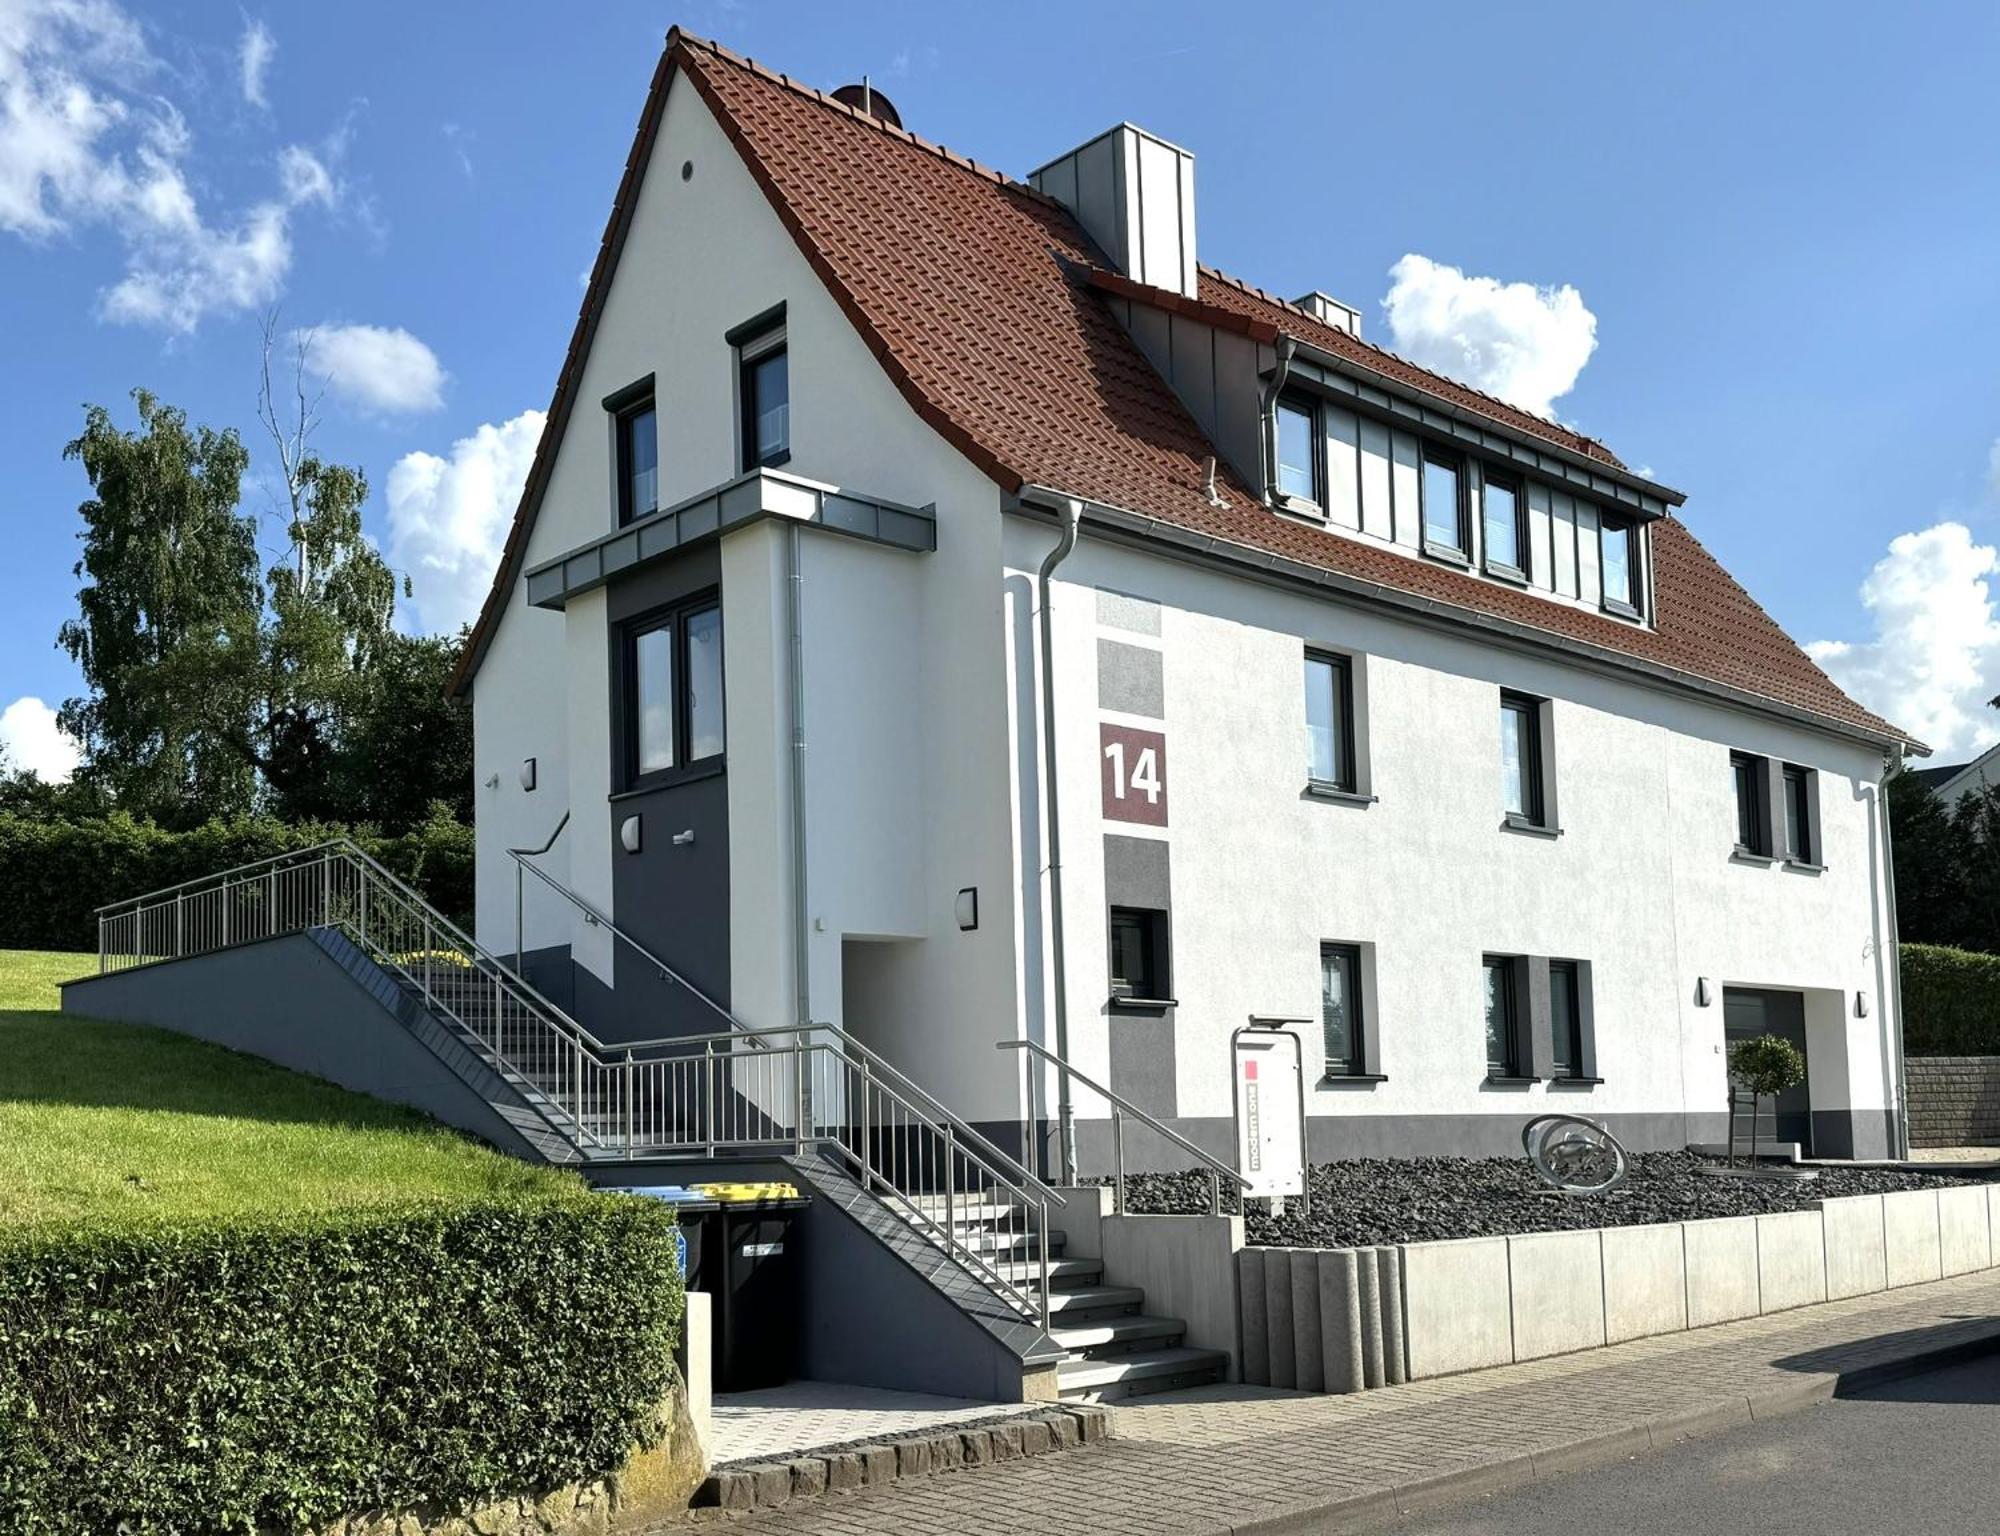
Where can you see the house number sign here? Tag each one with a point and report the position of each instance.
(1134, 764)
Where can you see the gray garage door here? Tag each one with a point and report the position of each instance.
(1748, 1012)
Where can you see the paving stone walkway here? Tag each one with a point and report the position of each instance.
(782, 1422)
(1242, 1459)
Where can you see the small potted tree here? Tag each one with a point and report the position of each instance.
(1764, 1067)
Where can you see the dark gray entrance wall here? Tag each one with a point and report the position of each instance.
(1748, 1012)
(672, 897)
(290, 1002)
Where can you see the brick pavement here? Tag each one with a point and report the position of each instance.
(1243, 1459)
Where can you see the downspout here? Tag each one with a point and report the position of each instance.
(801, 960)
(1894, 765)
(1269, 416)
(1072, 514)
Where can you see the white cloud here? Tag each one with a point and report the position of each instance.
(85, 140)
(1525, 344)
(253, 57)
(33, 743)
(1935, 658)
(448, 517)
(378, 368)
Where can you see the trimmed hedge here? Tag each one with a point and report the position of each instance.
(55, 874)
(1951, 1002)
(226, 1378)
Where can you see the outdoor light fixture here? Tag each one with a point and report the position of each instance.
(967, 908)
(527, 773)
(628, 834)
(1702, 997)
(1861, 1005)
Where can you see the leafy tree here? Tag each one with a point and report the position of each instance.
(170, 607)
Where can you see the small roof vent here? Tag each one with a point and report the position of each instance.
(866, 99)
(1328, 310)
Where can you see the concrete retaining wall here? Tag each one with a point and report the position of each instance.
(1341, 1320)
(1954, 1100)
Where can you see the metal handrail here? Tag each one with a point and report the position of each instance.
(1121, 1107)
(224, 874)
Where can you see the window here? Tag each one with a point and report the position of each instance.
(635, 431)
(1503, 1053)
(1139, 954)
(1801, 846)
(1299, 450)
(1616, 541)
(1565, 1020)
(1506, 546)
(1444, 504)
(1752, 828)
(673, 693)
(1330, 721)
(1522, 794)
(766, 401)
(1340, 1008)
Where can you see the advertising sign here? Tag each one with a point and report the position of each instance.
(1267, 1066)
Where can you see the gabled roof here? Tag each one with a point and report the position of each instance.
(979, 297)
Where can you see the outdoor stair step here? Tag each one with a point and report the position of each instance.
(1085, 1302)
(1021, 1243)
(1063, 1273)
(1109, 1337)
(1130, 1375)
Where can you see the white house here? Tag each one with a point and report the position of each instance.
(1372, 701)
(1952, 782)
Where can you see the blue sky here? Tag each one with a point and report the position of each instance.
(1776, 225)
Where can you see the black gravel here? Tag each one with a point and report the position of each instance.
(1371, 1200)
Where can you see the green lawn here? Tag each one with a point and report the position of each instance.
(114, 1122)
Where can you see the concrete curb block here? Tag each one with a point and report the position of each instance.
(768, 1484)
(1613, 1445)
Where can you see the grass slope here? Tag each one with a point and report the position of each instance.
(112, 1122)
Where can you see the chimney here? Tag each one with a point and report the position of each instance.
(1134, 194)
(1328, 310)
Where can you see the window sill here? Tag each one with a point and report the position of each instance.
(1444, 554)
(1495, 1081)
(1620, 610)
(1142, 1004)
(1513, 575)
(1515, 822)
(1805, 867)
(673, 778)
(1574, 1082)
(1359, 1079)
(1299, 506)
(1319, 790)
(1751, 856)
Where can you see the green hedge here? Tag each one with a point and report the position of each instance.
(54, 874)
(1951, 1002)
(227, 1378)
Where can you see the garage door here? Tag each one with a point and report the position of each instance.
(1748, 1012)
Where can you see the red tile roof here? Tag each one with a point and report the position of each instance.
(978, 297)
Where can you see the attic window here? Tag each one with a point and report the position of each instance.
(763, 390)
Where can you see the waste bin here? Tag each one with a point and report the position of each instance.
(693, 1211)
(750, 1266)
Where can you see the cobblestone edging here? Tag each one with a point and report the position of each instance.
(1954, 1100)
(767, 1484)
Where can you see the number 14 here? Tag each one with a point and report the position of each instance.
(1145, 777)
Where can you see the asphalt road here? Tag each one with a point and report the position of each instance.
(1919, 1457)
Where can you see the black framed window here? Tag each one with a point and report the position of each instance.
(1565, 1020)
(1799, 842)
(1299, 449)
(1444, 502)
(1139, 953)
(1340, 1008)
(1503, 523)
(1503, 1034)
(1617, 544)
(672, 693)
(1330, 721)
(1753, 832)
(635, 450)
(766, 402)
(1522, 792)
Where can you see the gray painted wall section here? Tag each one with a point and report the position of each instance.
(1138, 873)
(288, 1001)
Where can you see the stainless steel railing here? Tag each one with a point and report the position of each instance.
(738, 1091)
(1123, 1109)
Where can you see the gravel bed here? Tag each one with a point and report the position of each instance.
(1373, 1200)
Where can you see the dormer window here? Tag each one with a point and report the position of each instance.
(1298, 450)
(1619, 561)
(1444, 504)
(1503, 526)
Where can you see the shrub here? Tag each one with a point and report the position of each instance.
(223, 1377)
(1951, 1002)
(54, 874)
